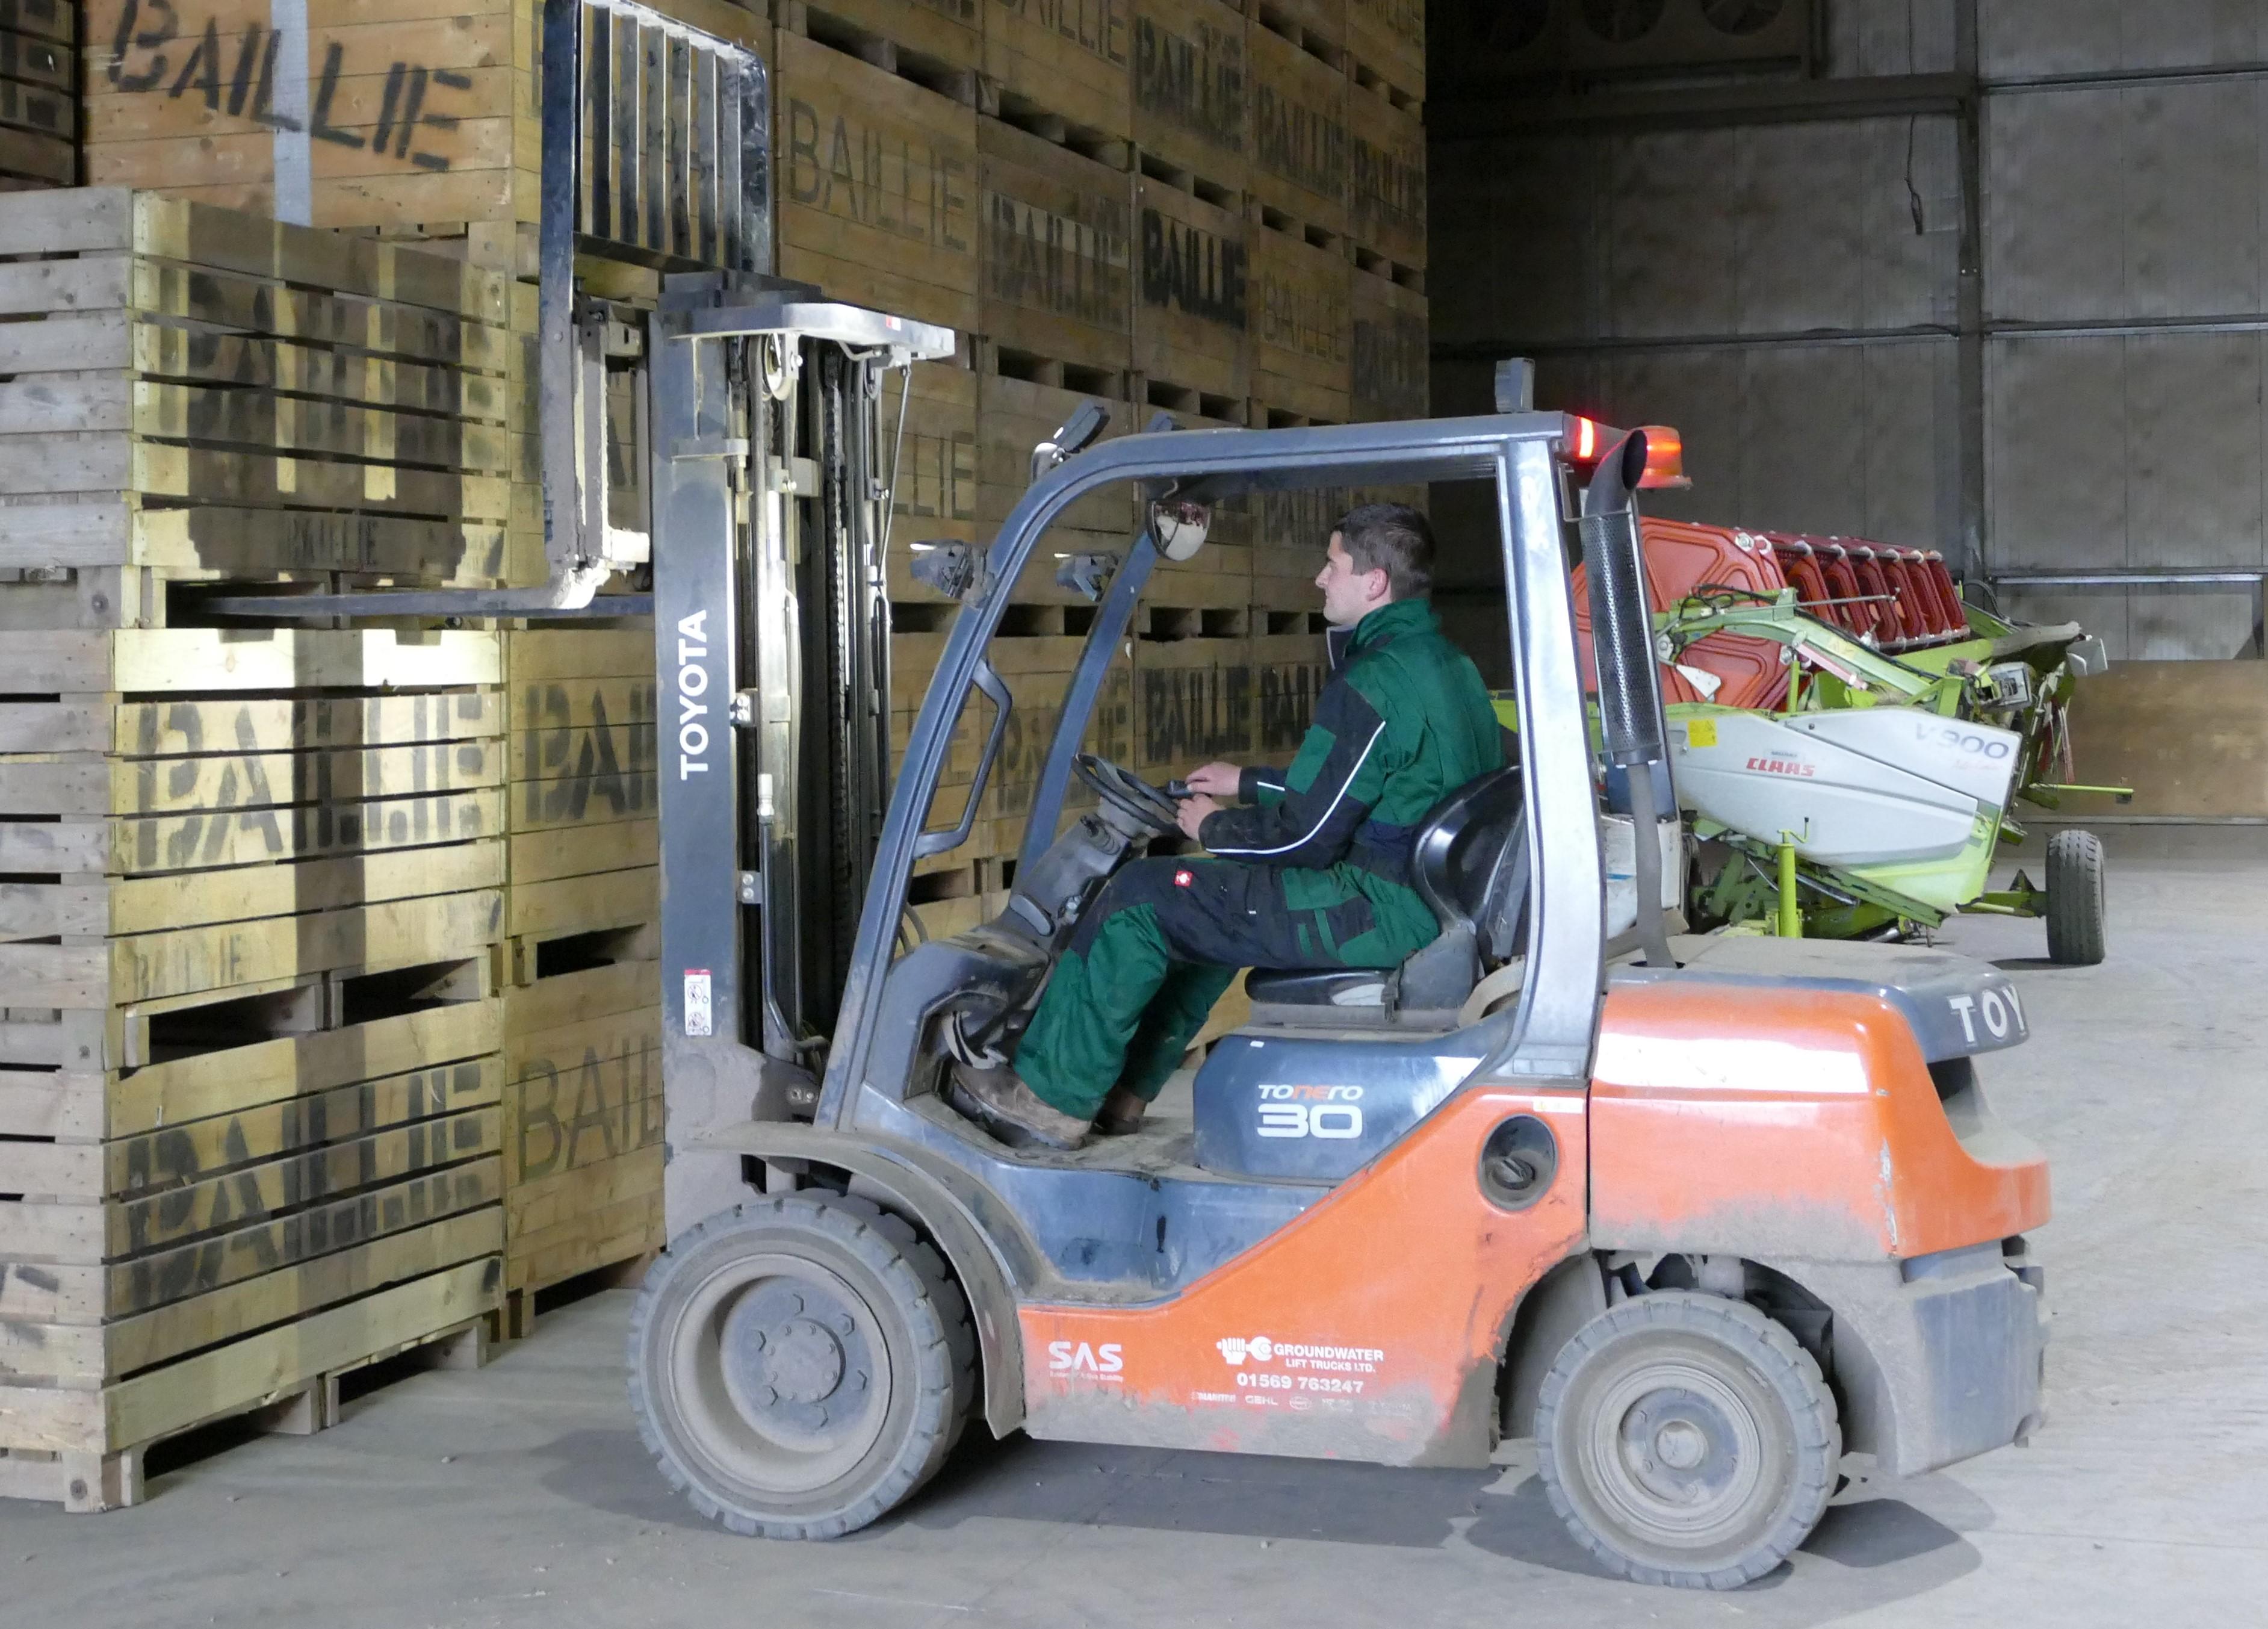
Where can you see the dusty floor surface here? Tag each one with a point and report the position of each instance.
(520, 1495)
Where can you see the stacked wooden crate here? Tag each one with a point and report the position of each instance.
(251, 1060)
(39, 101)
(1209, 209)
(582, 1018)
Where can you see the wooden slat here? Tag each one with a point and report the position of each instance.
(296, 1179)
(1193, 298)
(1057, 249)
(1298, 135)
(31, 911)
(1300, 326)
(243, 1373)
(1387, 38)
(1386, 179)
(876, 186)
(1071, 60)
(1389, 362)
(1190, 87)
(240, 1077)
(159, 660)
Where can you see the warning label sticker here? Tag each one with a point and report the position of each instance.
(698, 1021)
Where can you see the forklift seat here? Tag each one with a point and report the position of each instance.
(1470, 862)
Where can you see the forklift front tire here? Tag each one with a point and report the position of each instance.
(2075, 909)
(1687, 1440)
(798, 1367)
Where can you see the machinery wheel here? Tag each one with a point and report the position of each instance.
(2075, 935)
(799, 1364)
(1687, 1440)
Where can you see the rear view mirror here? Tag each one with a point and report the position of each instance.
(1180, 526)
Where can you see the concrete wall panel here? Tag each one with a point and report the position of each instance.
(1870, 38)
(2056, 467)
(2032, 39)
(2126, 451)
(2108, 203)
(1673, 253)
(2194, 423)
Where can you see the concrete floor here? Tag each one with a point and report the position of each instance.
(520, 1495)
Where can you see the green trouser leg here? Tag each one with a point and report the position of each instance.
(1176, 1015)
(1075, 1046)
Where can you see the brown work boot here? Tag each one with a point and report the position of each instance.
(1000, 1103)
(1121, 1113)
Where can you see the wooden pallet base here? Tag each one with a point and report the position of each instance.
(515, 1320)
(113, 1481)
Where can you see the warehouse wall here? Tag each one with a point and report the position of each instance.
(1789, 294)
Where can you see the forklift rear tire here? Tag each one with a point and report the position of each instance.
(2075, 915)
(799, 1366)
(1687, 1440)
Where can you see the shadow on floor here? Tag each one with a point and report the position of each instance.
(1862, 1554)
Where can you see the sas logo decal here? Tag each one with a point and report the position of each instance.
(1105, 1362)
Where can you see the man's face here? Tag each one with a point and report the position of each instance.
(1349, 596)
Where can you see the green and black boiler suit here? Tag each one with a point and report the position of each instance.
(1312, 870)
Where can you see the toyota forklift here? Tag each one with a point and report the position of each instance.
(1702, 1217)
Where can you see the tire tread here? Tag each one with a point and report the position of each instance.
(1818, 1428)
(935, 1310)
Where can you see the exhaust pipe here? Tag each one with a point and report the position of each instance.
(1630, 686)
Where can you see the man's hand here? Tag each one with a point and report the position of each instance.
(1216, 780)
(1194, 809)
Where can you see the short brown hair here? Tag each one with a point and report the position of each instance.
(1393, 538)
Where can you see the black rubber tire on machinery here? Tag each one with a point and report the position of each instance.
(1748, 1406)
(2074, 911)
(838, 1260)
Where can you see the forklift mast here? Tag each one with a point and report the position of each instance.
(725, 453)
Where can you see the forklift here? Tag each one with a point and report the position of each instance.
(1701, 1217)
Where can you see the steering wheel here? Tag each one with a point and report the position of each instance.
(1152, 810)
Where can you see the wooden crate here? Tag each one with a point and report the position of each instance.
(1390, 360)
(934, 498)
(420, 116)
(198, 396)
(1194, 700)
(1057, 252)
(1318, 27)
(1386, 40)
(1289, 672)
(582, 1126)
(1301, 327)
(1298, 142)
(1037, 669)
(1014, 415)
(1189, 88)
(876, 179)
(249, 1090)
(1192, 304)
(39, 83)
(1065, 59)
(582, 803)
(582, 1103)
(925, 36)
(1386, 186)
(1290, 532)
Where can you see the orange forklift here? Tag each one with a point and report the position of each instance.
(1701, 1216)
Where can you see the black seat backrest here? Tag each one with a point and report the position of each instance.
(1470, 859)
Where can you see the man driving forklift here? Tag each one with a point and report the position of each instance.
(1311, 869)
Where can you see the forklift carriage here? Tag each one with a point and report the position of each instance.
(1701, 1216)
